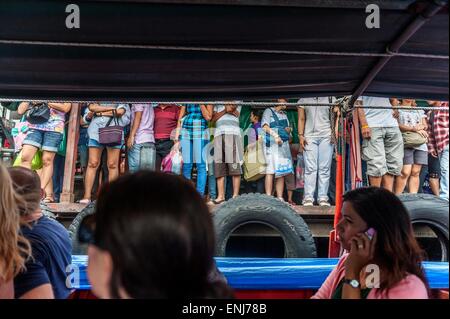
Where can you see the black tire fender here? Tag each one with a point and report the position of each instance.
(260, 208)
(77, 247)
(429, 210)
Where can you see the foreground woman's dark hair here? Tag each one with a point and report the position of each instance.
(396, 250)
(160, 235)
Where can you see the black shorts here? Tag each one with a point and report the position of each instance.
(434, 166)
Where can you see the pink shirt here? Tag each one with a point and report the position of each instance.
(55, 122)
(144, 133)
(409, 288)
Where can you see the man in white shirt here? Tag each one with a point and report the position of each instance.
(382, 146)
(314, 128)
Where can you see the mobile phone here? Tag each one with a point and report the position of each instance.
(370, 232)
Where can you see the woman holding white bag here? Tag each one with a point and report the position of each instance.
(275, 124)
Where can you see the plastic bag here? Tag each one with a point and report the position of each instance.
(300, 171)
(36, 163)
(19, 132)
(283, 161)
(62, 149)
(173, 162)
(177, 163)
(254, 162)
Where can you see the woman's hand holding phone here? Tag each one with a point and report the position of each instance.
(370, 233)
(361, 251)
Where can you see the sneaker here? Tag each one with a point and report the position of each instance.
(308, 202)
(324, 203)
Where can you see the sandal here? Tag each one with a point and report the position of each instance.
(84, 201)
(218, 202)
(48, 200)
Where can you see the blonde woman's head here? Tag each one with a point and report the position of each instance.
(14, 249)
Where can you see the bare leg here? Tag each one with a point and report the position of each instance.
(414, 179)
(290, 194)
(400, 181)
(47, 169)
(93, 163)
(236, 185)
(113, 163)
(434, 185)
(375, 181)
(387, 182)
(49, 191)
(269, 184)
(100, 180)
(279, 186)
(28, 153)
(220, 188)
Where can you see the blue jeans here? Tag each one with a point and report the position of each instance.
(58, 176)
(318, 156)
(83, 152)
(212, 184)
(228, 186)
(142, 156)
(192, 151)
(443, 157)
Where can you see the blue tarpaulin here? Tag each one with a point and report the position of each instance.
(275, 274)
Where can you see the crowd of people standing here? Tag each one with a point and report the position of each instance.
(396, 145)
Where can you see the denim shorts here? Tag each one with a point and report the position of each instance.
(95, 143)
(46, 140)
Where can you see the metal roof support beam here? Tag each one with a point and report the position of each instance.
(434, 7)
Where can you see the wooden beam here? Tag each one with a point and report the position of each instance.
(73, 133)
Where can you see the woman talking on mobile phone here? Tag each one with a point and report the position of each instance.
(383, 259)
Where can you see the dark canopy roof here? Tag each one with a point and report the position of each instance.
(62, 66)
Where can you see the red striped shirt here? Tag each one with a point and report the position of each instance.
(438, 131)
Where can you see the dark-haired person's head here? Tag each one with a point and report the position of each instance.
(27, 184)
(256, 115)
(153, 238)
(282, 106)
(396, 250)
